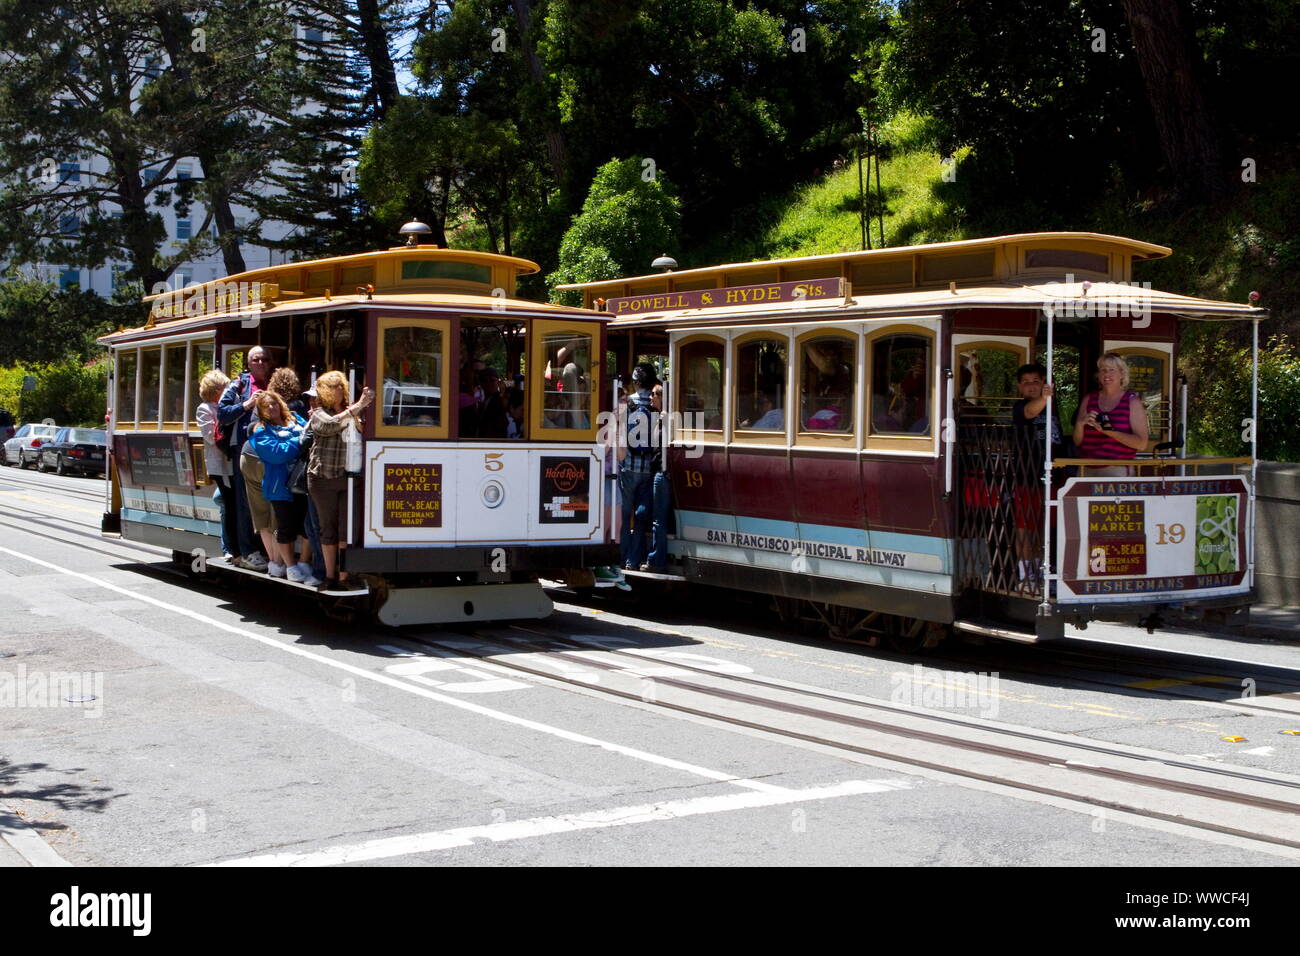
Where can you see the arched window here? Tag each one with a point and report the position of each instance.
(760, 370)
(827, 383)
(698, 375)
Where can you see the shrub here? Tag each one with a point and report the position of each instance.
(70, 392)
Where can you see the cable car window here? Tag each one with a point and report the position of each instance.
(205, 357)
(413, 358)
(150, 367)
(566, 391)
(760, 384)
(700, 383)
(126, 388)
(174, 385)
(901, 385)
(826, 384)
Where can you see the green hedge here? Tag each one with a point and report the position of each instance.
(70, 392)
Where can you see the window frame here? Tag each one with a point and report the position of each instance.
(922, 444)
(683, 434)
(538, 330)
(808, 438)
(431, 432)
(753, 436)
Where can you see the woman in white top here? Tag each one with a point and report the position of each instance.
(218, 462)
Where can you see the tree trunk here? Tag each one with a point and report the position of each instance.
(374, 43)
(556, 150)
(1166, 54)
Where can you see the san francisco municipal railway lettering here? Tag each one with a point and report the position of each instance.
(815, 549)
(413, 496)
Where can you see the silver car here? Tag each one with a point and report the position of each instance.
(22, 449)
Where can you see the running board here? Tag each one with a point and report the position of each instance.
(999, 633)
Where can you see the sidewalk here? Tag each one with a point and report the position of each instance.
(1267, 621)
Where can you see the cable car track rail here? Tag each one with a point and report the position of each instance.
(1031, 764)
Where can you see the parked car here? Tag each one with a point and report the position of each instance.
(21, 449)
(6, 425)
(73, 450)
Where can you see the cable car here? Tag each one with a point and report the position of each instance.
(842, 438)
(448, 519)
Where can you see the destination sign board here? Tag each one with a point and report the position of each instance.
(213, 298)
(1124, 539)
(803, 291)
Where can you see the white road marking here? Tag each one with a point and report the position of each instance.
(388, 847)
(385, 679)
(27, 842)
(1262, 751)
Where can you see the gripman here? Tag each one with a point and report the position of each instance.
(103, 909)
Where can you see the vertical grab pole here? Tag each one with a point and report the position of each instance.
(1254, 437)
(619, 424)
(1044, 609)
(352, 479)
(1182, 420)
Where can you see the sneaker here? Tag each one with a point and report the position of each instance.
(254, 562)
(275, 569)
(306, 569)
(311, 581)
(294, 573)
(606, 577)
(329, 584)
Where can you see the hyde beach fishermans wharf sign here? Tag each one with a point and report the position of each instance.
(802, 291)
(1123, 539)
(413, 496)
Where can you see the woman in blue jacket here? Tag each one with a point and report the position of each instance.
(276, 439)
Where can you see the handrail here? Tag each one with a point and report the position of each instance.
(1148, 462)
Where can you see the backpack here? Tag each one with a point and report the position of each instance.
(641, 421)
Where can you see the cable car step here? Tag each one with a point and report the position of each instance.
(996, 631)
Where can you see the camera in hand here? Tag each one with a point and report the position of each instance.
(1103, 420)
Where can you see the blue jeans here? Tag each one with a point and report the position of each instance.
(663, 504)
(637, 491)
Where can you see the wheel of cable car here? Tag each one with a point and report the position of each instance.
(912, 635)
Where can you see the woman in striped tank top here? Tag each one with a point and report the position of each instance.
(1112, 421)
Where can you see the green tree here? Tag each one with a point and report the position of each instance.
(41, 324)
(627, 220)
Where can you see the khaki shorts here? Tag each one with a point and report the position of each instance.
(253, 470)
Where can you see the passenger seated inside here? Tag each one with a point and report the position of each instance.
(770, 418)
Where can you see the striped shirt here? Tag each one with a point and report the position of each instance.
(1097, 445)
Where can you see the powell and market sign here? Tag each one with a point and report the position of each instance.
(801, 291)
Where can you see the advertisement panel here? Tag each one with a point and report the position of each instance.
(1127, 539)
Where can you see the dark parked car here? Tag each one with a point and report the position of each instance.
(21, 449)
(73, 449)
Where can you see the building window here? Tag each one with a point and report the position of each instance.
(313, 35)
(182, 228)
(70, 279)
(180, 279)
(183, 173)
(69, 172)
(150, 177)
(119, 277)
(70, 225)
